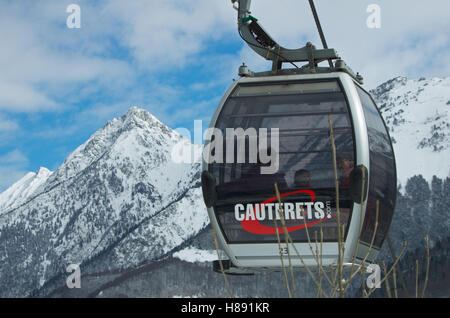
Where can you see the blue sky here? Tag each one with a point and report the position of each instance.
(174, 58)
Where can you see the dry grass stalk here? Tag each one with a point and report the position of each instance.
(393, 266)
(281, 257)
(400, 274)
(305, 266)
(352, 275)
(394, 277)
(337, 274)
(311, 274)
(363, 281)
(295, 249)
(417, 278)
(317, 282)
(227, 285)
(338, 211)
(319, 252)
(427, 266)
(283, 223)
(316, 256)
(388, 288)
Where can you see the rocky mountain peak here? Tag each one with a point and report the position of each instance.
(119, 201)
(389, 85)
(44, 172)
(137, 124)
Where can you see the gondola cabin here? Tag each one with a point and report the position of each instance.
(271, 130)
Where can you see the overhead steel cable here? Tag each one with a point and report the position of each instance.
(319, 28)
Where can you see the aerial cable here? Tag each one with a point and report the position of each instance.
(319, 28)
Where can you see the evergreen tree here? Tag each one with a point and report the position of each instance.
(437, 196)
(439, 213)
(446, 205)
(399, 230)
(446, 193)
(419, 197)
(418, 189)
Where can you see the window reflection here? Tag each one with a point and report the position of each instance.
(304, 148)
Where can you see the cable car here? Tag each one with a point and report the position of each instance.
(273, 128)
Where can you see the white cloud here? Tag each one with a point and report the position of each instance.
(14, 157)
(19, 96)
(124, 48)
(42, 61)
(7, 125)
(411, 41)
(163, 34)
(12, 167)
(45, 65)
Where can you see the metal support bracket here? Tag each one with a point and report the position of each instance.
(263, 44)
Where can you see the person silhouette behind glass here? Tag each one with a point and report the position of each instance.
(302, 178)
(345, 166)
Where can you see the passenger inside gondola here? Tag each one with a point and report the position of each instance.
(345, 166)
(302, 179)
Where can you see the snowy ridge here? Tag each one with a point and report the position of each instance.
(119, 200)
(102, 141)
(417, 114)
(23, 189)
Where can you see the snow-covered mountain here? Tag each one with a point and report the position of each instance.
(117, 201)
(417, 113)
(23, 189)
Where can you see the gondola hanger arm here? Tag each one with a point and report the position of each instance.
(263, 44)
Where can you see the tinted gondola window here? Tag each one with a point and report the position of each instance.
(383, 182)
(246, 207)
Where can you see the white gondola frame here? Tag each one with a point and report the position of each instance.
(267, 255)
